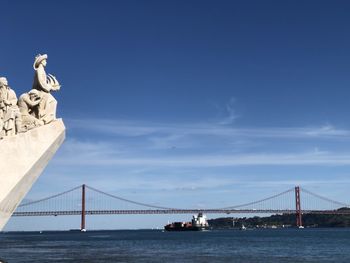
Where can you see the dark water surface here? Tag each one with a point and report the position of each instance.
(274, 245)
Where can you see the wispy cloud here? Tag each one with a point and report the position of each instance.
(167, 159)
(231, 113)
(104, 155)
(138, 128)
(141, 144)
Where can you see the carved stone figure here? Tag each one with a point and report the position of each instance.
(35, 108)
(28, 104)
(45, 83)
(24, 156)
(9, 113)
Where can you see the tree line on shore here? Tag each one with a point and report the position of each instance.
(282, 220)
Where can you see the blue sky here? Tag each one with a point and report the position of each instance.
(200, 103)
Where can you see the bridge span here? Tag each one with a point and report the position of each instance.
(76, 202)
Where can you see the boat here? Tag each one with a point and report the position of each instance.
(243, 228)
(198, 223)
(76, 230)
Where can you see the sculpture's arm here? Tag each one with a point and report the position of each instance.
(2, 102)
(55, 85)
(13, 97)
(42, 79)
(29, 102)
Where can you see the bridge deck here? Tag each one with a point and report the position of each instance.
(180, 211)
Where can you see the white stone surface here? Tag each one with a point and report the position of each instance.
(22, 159)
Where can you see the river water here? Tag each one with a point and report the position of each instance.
(272, 245)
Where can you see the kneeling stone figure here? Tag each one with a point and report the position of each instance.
(28, 106)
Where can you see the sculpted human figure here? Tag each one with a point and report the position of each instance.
(45, 83)
(9, 112)
(28, 104)
(3, 94)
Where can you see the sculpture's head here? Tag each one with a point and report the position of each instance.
(3, 82)
(40, 60)
(34, 94)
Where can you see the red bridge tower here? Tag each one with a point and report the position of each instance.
(298, 212)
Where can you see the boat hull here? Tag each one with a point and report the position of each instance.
(185, 228)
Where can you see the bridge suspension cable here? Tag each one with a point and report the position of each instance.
(259, 201)
(130, 201)
(325, 198)
(70, 201)
(49, 197)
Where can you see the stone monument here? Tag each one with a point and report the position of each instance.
(30, 134)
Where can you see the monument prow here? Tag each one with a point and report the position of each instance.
(30, 134)
(23, 158)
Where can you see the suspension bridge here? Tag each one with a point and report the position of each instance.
(85, 200)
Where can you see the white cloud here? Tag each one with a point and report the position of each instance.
(159, 158)
(105, 155)
(140, 144)
(231, 113)
(136, 128)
